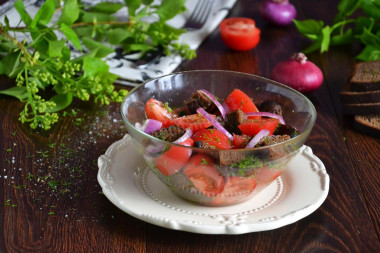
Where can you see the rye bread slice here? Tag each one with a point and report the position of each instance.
(368, 124)
(355, 97)
(366, 76)
(362, 108)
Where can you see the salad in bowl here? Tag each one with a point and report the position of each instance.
(217, 138)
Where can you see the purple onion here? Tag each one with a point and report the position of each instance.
(216, 124)
(252, 143)
(278, 12)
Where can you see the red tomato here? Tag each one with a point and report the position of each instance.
(201, 171)
(267, 175)
(213, 137)
(240, 141)
(239, 100)
(194, 121)
(157, 110)
(174, 158)
(235, 190)
(252, 126)
(239, 33)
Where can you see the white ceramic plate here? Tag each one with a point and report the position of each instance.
(130, 185)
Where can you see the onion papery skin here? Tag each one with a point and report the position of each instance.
(279, 13)
(299, 74)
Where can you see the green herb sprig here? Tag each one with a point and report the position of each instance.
(356, 21)
(48, 79)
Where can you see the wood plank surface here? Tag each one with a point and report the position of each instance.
(74, 216)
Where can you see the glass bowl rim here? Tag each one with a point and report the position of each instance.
(294, 139)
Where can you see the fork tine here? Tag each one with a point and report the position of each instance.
(199, 15)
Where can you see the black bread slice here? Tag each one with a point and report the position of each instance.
(366, 76)
(362, 108)
(354, 97)
(368, 124)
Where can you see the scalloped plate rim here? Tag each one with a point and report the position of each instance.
(105, 164)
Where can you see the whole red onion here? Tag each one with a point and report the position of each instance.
(278, 12)
(299, 73)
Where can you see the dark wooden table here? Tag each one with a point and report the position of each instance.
(52, 201)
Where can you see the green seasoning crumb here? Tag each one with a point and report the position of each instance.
(19, 186)
(344, 138)
(51, 145)
(51, 213)
(30, 176)
(78, 121)
(43, 153)
(204, 162)
(53, 184)
(9, 150)
(166, 104)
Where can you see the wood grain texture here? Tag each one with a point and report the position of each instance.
(73, 216)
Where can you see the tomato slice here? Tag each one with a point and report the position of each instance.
(213, 137)
(201, 171)
(174, 158)
(236, 189)
(240, 141)
(195, 122)
(239, 100)
(267, 175)
(157, 110)
(239, 33)
(252, 126)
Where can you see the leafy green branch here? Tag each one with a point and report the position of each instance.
(47, 77)
(356, 21)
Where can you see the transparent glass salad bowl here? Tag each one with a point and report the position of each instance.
(216, 177)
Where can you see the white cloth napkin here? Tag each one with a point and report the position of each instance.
(120, 64)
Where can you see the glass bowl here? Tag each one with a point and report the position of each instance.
(217, 177)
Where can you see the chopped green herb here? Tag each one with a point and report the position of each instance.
(53, 184)
(9, 150)
(166, 104)
(52, 145)
(204, 162)
(30, 176)
(19, 186)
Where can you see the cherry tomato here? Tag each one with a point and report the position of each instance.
(236, 189)
(157, 110)
(174, 158)
(267, 175)
(240, 141)
(239, 100)
(213, 137)
(201, 171)
(252, 126)
(194, 121)
(239, 33)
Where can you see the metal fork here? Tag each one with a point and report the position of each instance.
(199, 15)
(197, 20)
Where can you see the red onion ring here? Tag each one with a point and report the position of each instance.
(151, 125)
(267, 114)
(184, 137)
(215, 123)
(257, 138)
(226, 108)
(215, 101)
